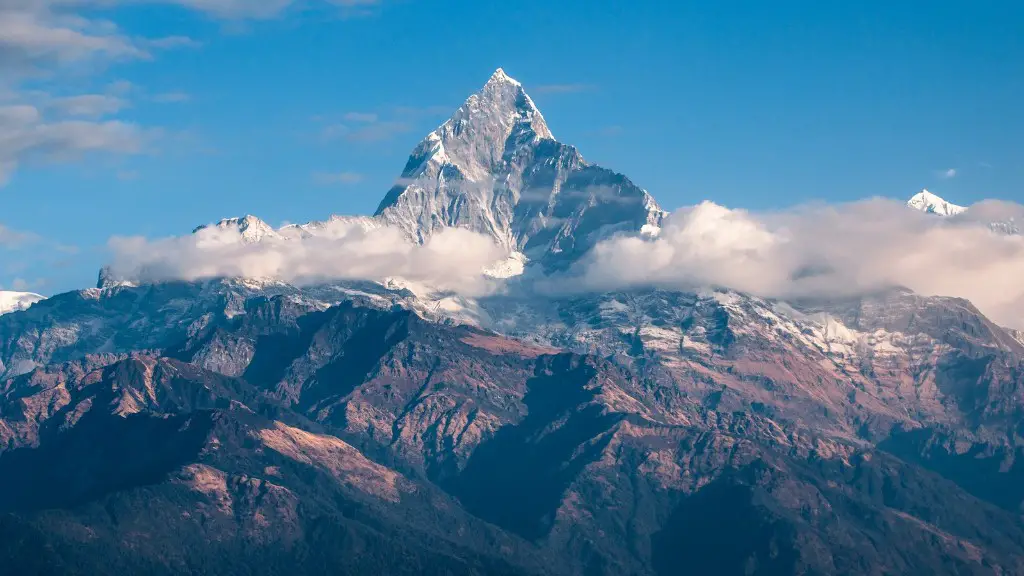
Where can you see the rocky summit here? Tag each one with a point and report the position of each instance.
(494, 167)
(250, 426)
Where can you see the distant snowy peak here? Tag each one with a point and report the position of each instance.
(925, 201)
(250, 228)
(1004, 224)
(13, 301)
(332, 227)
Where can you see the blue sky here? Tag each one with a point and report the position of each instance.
(154, 117)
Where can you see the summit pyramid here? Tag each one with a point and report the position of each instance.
(495, 167)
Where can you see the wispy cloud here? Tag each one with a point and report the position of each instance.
(373, 126)
(327, 178)
(562, 88)
(23, 285)
(27, 251)
(48, 41)
(120, 87)
(29, 135)
(171, 97)
(613, 130)
(421, 111)
(88, 105)
(360, 117)
(267, 9)
(36, 34)
(946, 174)
(10, 238)
(169, 42)
(375, 131)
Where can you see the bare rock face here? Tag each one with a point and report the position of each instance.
(495, 168)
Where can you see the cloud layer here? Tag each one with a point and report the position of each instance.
(821, 251)
(826, 251)
(342, 249)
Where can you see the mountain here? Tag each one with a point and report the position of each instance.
(925, 201)
(284, 435)
(249, 426)
(12, 301)
(249, 228)
(929, 203)
(494, 167)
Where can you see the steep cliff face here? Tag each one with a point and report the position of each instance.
(494, 167)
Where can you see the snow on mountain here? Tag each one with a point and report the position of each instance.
(13, 301)
(331, 227)
(250, 228)
(925, 201)
(494, 167)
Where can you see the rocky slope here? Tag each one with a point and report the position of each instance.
(476, 454)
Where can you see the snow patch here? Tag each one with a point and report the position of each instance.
(11, 301)
(925, 201)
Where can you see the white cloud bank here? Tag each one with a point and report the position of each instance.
(830, 251)
(342, 249)
(826, 251)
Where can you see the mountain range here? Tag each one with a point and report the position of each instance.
(231, 425)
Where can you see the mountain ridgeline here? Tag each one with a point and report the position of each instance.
(243, 426)
(494, 167)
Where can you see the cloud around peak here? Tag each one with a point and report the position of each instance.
(813, 251)
(823, 251)
(339, 249)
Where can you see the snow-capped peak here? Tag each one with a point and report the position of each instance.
(11, 301)
(495, 168)
(474, 140)
(249, 227)
(925, 201)
(500, 76)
